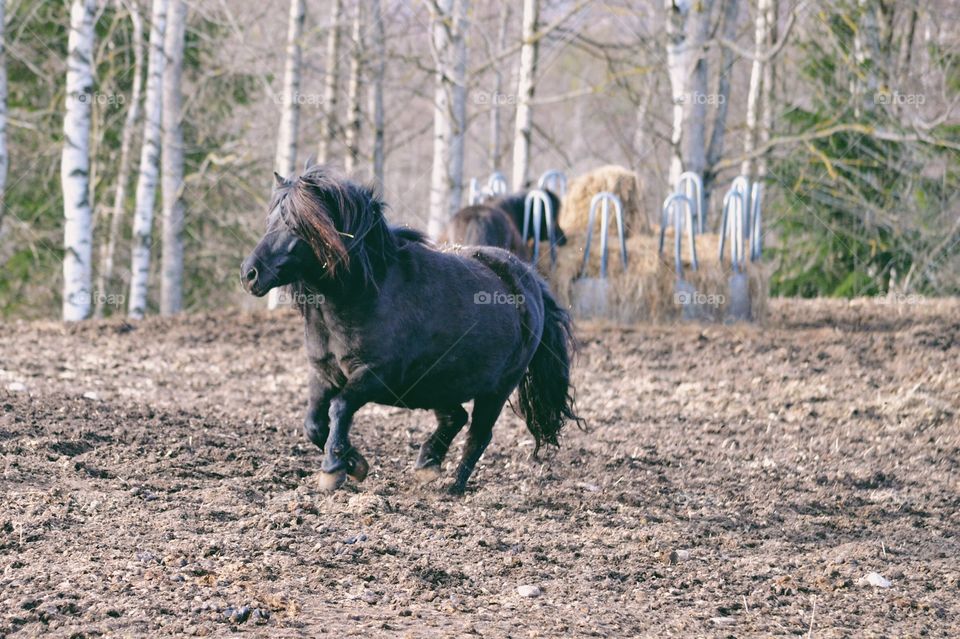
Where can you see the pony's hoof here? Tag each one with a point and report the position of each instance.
(359, 468)
(427, 474)
(329, 482)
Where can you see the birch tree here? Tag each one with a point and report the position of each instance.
(495, 117)
(525, 88)
(328, 125)
(688, 26)
(4, 161)
(448, 22)
(731, 11)
(108, 248)
(171, 183)
(147, 176)
(761, 37)
(378, 71)
(354, 113)
(75, 164)
(285, 162)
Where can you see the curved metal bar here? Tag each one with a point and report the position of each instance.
(691, 185)
(742, 184)
(732, 225)
(554, 177)
(756, 238)
(474, 197)
(682, 209)
(497, 183)
(603, 201)
(537, 205)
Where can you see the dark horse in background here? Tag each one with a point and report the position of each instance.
(391, 320)
(482, 225)
(513, 205)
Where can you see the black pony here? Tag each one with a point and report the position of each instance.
(393, 321)
(513, 206)
(482, 225)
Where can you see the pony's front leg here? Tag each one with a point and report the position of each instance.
(341, 458)
(316, 423)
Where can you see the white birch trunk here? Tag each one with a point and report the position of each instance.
(149, 166)
(285, 162)
(109, 248)
(695, 108)
(376, 91)
(767, 86)
(171, 181)
(760, 38)
(328, 126)
(354, 113)
(495, 118)
(678, 70)
(449, 112)
(75, 164)
(4, 160)
(525, 88)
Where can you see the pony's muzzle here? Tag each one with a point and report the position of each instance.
(249, 276)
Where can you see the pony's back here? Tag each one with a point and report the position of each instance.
(481, 225)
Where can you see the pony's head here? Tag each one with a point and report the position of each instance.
(321, 230)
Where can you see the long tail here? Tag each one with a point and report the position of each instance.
(545, 394)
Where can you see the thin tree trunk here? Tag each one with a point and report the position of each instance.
(75, 164)
(760, 38)
(449, 111)
(328, 126)
(376, 91)
(523, 125)
(285, 162)
(496, 152)
(354, 113)
(149, 166)
(768, 85)
(678, 69)
(4, 159)
(695, 122)
(731, 12)
(171, 182)
(109, 248)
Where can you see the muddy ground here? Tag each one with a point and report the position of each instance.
(736, 481)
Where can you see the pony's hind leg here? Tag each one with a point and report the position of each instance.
(449, 422)
(486, 410)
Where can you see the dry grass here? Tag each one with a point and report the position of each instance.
(646, 290)
(575, 211)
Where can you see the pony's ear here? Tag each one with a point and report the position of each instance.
(309, 162)
(279, 178)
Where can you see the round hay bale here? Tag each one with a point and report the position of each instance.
(647, 289)
(624, 183)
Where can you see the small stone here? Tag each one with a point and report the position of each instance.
(723, 621)
(679, 555)
(91, 395)
(874, 579)
(529, 591)
(16, 387)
